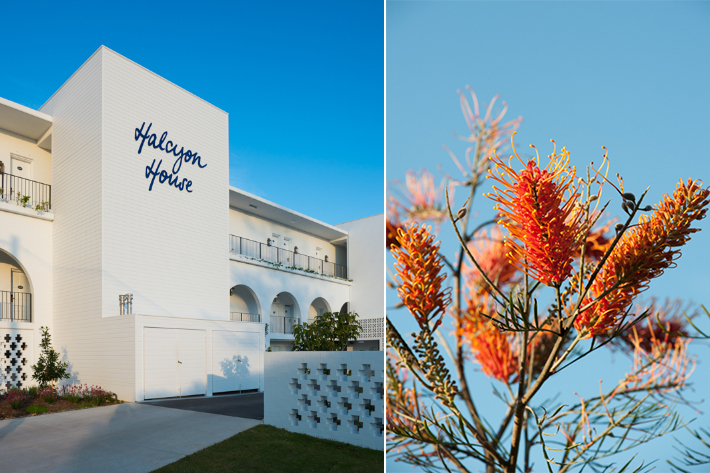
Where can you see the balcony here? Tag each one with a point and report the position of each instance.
(289, 259)
(15, 306)
(25, 192)
(281, 324)
(244, 317)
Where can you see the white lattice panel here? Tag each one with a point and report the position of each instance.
(373, 328)
(15, 358)
(333, 395)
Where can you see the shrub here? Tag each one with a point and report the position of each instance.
(16, 398)
(32, 391)
(49, 394)
(88, 394)
(48, 368)
(328, 332)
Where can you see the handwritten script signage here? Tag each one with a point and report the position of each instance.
(152, 172)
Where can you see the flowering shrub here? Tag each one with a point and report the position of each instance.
(547, 242)
(16, 398)
(87, 394)
(49, 394)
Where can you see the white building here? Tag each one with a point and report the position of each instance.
(115, 219)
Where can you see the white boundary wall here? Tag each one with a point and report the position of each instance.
(310, 392)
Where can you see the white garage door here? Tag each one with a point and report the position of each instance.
(174, 362)
(235, 361)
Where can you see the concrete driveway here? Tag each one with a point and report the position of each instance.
(132, 437)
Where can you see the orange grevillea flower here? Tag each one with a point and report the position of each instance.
(491, 348)
(419, 199)
(542, 218)
(644, 252)
(598, 241)
(487, 130)
(494, 257)
(391, 233)
(419, 274)
(663, 367)
(665, 323)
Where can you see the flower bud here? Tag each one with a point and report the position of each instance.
(461, 213)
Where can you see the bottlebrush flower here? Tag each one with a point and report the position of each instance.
(491, 348)
(489, 132)
(644, 252)
(420, 198)
(543, 218)
(494, 257)
(666, 323)
(419, 274)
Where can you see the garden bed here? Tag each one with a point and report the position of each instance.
(33, 403)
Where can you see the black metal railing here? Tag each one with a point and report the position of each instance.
(15, 306)
(273, 254)
(244, 317)
(25, 192)
(280, 324)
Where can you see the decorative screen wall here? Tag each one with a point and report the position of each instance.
(373, 328)
(15, 358)
(332, 395)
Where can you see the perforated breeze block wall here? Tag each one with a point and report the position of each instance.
(331, 395)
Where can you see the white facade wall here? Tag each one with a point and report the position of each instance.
(311, 393)
(366, 265)
(258, 229)
(27, 243)
(366, 268)
(96, 348)
(165, 246)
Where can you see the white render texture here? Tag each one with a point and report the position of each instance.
(366, 267)
(164, 246)
(311, 393)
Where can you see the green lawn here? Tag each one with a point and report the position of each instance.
(267, 449)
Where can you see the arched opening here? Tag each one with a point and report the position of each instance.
(318, 307)
(15, 290)
(345, 308)
(243, 304)
(285, 313)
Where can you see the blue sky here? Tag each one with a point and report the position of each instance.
(302, 83)
(631, 76)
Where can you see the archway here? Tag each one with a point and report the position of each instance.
(345, 308)
(244, 304)
(284, 313)
(15, 290)
(319, 306)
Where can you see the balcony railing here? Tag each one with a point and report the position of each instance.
(280, 324)
(15, 306)
(25, 192)
(276, 255)
(244, 317)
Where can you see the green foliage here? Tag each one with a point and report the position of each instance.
(48, 369)
(328, 332)
(36, 409)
